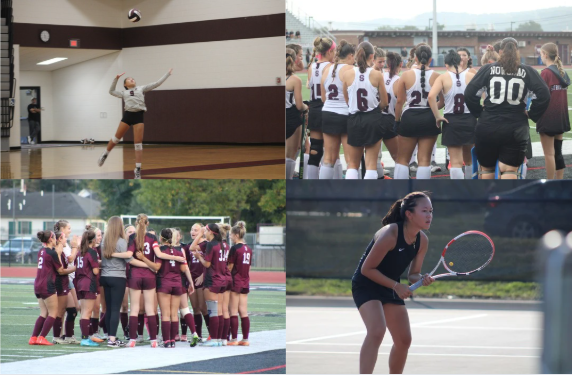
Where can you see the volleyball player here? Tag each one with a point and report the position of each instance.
(458, 124)
(364, 91)
(416, 122)
(294, 109)
(134, 98)
(376, 288)
(198, 298)
(335, 111)
(502, 131)
(324, 49)
(555, 120)
(390, 79)
(49, 267)
(214, 280)
(466, 60)
(239, 262)
(87, 283)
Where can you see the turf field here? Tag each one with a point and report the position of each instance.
(534, 137)
(19, 311)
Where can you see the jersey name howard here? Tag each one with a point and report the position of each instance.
(499, 70)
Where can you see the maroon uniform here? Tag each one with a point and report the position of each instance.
(48, 265)
(241, 257)
(142, 278)
(214, 275)
(555, 120)
(169, 275)
(184, 249)
(62, 281)
(228, 276)
(87, 283)
(195, 266)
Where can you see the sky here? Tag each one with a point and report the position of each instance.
(364, 10)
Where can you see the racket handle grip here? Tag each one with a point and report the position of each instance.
(416, 285)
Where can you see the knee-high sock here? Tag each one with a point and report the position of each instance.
(124, 321)
(306, 158)
(213, 328)
(58, 327)
(166, 328)
(133, 324)
(38, 326)
(207, 320)
(84, 326)
(326, 172)
(338, 170)
(199, 324)
(468, 172)
(152, 326)
(423, 173)
(220, 326)
(245, 323)
(352, 174)
(190, 322)
(69, 326)
(234, 326)
(457, 174)
(401, 172)
(174, 329)
(225, 328)
(93, 325)
(370, 175)
(183, 326)
(140, 324)
(290, 168)
(157, 324)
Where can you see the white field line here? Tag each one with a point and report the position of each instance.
(424, 346)
(421, 354)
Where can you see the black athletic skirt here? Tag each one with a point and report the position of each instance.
(388, 126)
(459, 131)
(362, 294)
(364, 128)
(505, 142)
(418, 123)
(293, 120)
(315, 115)
(334, 123)
(133, 118)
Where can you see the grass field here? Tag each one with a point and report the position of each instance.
(534, 137)
(19, 311)
(441, 288)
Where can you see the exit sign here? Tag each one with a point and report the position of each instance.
(74, 43)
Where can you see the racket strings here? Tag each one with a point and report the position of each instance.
(468, 253)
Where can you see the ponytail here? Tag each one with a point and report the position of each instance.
(454, 59)
(342, 51)
(397, 211)
(87, 237)
(44, 236)
(423, 53)
(551, 51)
(290, 61)
(393, 61)
(365, 50)
(142, 223)
(215, 231)
(510, 58)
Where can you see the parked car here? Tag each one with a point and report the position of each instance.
(27, 247)
(531, 210)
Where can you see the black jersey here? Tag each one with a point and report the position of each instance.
(507, 94)
(393, 264)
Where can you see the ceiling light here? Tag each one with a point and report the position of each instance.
(52, 61)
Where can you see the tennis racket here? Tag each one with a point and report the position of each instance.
(303, 143)
(465, 254)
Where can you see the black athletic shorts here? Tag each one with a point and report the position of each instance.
(334, 123)
(418, 123)
(363, 294)
(293, 120)
(505, 142)
(133, 118)
(388, 126)
(315, 115)
(459, 131)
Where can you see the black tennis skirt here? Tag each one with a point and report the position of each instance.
(418, 123)
(364, 128)
(334, 123)
(388, 126)
(459, 131)
(293, 120)
(315, 115)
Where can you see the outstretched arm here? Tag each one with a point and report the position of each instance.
(153, 86)
(112, 90)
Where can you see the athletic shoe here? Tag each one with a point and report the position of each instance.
(435, 167)
(102, 336)
(165, 344)
(94, 339)
(29, 140)
(88, 342)
(413, 167)
(243, 343)
(72, 340)
(131, 343)
(137, 172)
(33, 339)
(223, 342)
(177, 337)
(194, 341)
(59, 340)
(115, 344)
(183, 338)
(211, 343)
(172, 343)
(154, 343)
(139, 339)
(42, 341)
(91, 140)
(232, 343)
(101, 159)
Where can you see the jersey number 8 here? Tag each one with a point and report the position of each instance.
(500, 90)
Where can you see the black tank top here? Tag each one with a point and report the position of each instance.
(393, 264)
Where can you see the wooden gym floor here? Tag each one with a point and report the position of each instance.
(159, 161)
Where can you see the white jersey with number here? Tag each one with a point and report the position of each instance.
(67, 252)
(416, 96)
(455, 97)
(135, 98)
(363, 96)
(391, 98)
(335, 101)
(316, 71)
(290, 101)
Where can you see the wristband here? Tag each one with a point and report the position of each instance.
(395, 285)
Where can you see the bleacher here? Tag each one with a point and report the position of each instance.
(308, 28)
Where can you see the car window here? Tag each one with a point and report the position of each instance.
(558, 190)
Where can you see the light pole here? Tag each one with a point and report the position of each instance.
(435, 30)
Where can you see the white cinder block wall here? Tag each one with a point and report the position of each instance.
(101, 13)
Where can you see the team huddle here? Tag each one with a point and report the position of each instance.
(359, 100)
(127, 273)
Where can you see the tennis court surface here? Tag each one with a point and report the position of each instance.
(449, 337)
